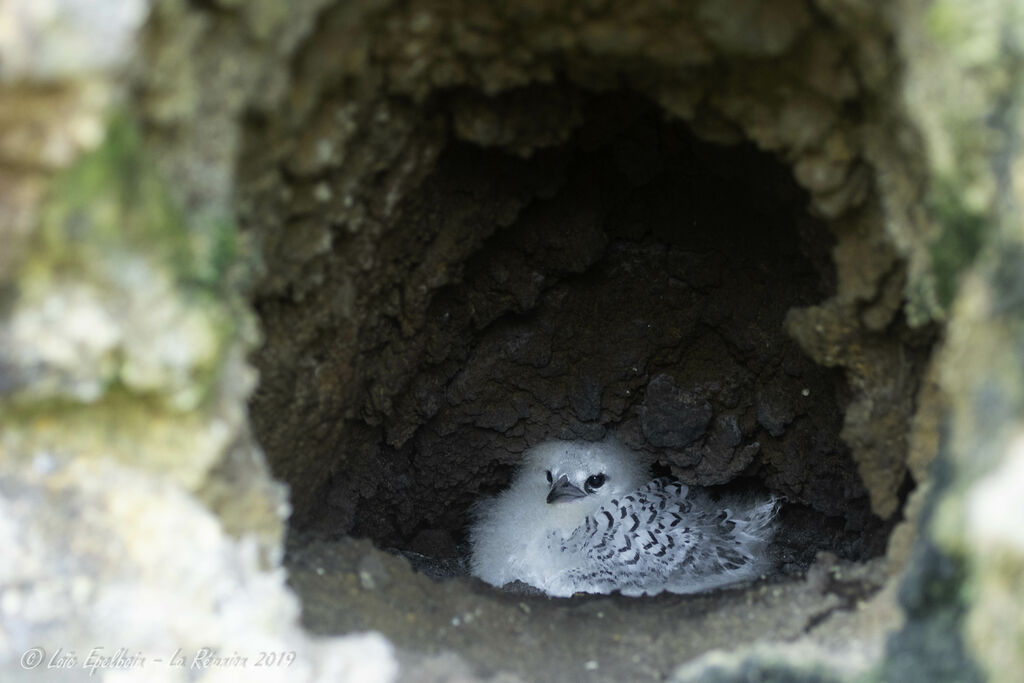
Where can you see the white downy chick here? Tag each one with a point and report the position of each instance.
(585, 517)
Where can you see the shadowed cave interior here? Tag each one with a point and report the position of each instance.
(631, 279)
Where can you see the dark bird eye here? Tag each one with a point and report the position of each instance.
(595, 482)
(548, 473)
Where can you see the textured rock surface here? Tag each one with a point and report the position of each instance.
(109, 557)
(413, 282)
(767, 206)
(613, 638)
(963, 592)
(137, 515)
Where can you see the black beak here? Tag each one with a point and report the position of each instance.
(562, 490)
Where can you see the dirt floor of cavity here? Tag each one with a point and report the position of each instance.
(348, 585)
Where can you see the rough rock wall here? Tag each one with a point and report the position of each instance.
(137, 515)
(355, 258)
(965, 593)
(116, 432)
(656, 307)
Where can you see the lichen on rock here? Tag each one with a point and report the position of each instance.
(122, 320)
(138, 514)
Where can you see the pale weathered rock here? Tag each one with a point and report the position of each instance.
(102, 557)
(122, 398)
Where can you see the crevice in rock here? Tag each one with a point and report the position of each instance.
(554, 262)
(629, 278)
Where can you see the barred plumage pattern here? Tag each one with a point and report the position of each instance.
(584, 516)
(664, 537)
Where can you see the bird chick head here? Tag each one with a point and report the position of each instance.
(572, 479)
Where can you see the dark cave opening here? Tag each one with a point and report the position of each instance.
(633, 279)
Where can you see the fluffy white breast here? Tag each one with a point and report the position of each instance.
(584, 517)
